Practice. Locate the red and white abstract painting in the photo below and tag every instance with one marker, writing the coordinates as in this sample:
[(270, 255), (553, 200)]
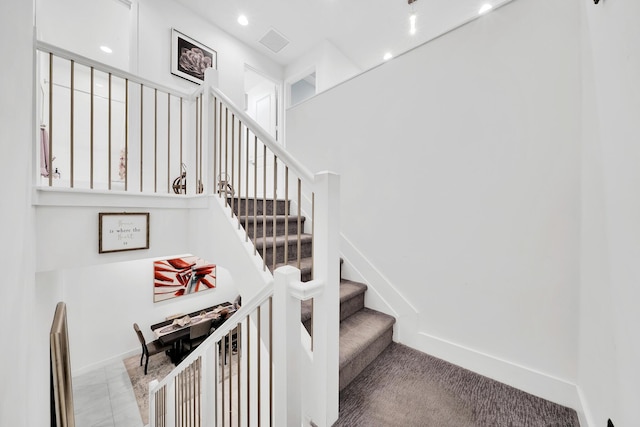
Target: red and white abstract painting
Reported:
[(176, 277)]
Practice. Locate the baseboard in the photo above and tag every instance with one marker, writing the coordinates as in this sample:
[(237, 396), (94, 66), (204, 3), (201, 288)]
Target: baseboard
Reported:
[(105, 362), (381, 294), (585, 415), (546, 386)]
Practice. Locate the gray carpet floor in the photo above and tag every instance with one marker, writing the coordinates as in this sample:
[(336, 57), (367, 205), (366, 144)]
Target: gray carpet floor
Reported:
[(404, 387)]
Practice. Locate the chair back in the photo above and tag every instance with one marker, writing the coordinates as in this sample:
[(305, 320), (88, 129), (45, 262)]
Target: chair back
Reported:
[(200, 329), (140, 336)]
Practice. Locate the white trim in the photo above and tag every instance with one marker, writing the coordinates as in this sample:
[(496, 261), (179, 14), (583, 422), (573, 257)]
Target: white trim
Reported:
[(381, 295), (58, 196), (529, 380), (585, 416)]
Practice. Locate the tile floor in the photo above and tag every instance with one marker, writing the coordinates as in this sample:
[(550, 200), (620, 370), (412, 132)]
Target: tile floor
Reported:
[(104, 398)]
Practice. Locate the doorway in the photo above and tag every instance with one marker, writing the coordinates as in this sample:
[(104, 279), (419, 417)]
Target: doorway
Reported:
[(262, 101), (303, 89)]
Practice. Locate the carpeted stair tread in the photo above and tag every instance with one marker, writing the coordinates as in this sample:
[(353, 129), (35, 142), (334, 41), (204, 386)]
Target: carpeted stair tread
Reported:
[(351, 297), (305, 265), (261, 206), (359, 331), (281, 240), (269, 218), (283, 225), (272, 249), (348, 291)]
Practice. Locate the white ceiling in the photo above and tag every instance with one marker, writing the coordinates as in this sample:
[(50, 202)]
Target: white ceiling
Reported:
[(362, 29)]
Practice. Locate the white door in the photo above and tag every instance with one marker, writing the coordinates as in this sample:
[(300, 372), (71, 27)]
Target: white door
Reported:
[(261, 97)]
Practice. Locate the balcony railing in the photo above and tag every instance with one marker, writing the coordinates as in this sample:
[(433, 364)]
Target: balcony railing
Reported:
[(105, 129)]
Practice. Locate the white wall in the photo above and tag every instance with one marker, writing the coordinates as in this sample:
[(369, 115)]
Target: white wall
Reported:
[(72, 25), (459, 166), (20, 377), (104, 301), (331, 67), (106, 293), (68, 235), (144, 33), (157, 17), (609, 376)]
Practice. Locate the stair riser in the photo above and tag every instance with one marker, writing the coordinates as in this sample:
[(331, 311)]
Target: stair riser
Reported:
[(305, 251), (357, 365), (347, 307), (260, 206), (280, 227), (351, 306)]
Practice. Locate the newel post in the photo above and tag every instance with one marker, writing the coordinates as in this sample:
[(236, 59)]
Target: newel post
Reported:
[(152, 403), (326, 309), (286, 349)]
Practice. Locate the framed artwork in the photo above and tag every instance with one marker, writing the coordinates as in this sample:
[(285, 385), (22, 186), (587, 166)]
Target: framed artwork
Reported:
[(189, 58), (175, 277), (123, 231)]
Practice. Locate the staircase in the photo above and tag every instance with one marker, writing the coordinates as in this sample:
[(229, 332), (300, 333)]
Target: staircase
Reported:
[(364, 333)]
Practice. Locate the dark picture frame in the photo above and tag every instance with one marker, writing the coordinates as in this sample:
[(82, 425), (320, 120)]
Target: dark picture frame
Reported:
[(190, 58), (123, 231)]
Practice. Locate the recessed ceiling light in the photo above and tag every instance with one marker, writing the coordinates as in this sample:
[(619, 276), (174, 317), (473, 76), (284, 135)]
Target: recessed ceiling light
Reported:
[(412, 23), (485, 8), (387, 56), (106, 49), (242, 20)]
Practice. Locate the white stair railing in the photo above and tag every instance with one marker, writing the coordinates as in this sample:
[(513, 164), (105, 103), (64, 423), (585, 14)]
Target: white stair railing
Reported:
[(270, 376), (274, 351), (229, 154), (104, 129)]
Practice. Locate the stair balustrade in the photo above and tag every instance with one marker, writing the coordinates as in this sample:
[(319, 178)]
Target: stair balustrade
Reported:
[(103, 129), (249, 168)]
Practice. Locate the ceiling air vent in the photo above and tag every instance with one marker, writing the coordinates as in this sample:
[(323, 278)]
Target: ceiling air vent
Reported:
[(274, 41)]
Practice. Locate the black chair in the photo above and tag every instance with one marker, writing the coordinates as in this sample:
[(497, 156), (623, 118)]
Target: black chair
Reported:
[(149, 349), (198, 333)]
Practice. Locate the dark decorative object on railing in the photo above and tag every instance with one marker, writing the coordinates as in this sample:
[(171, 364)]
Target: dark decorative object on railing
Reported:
[(180, 183), (224, 185)]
